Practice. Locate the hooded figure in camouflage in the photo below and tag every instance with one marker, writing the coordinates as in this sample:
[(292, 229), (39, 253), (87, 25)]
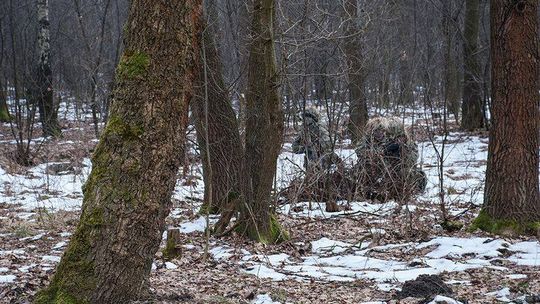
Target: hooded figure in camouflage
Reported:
[(313, 140), (387, 162), (322, 165)]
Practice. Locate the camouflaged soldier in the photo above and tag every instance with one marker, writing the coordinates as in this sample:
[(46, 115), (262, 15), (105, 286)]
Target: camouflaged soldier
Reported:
[(314, 141), (323, 167), (387, 161)]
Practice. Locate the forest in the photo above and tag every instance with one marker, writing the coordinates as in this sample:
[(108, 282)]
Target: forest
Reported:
[(269, 151)]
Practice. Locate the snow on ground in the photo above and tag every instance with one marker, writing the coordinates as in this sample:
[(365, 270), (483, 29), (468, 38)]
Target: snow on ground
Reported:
[(38, 188), (328, 259), (330, 263)]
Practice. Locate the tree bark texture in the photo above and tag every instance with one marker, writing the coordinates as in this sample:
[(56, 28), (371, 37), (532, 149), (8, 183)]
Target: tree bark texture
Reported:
[(127, 195), (47, 112), (452, 89), (358, 110), (471, 108), (511, 191), (216, 124), (4, 110), (264, 128)]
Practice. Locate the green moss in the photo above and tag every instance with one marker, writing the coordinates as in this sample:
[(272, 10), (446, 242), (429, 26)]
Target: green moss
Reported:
[(171, 251), (452, 226), (75, 279), (275, 233), (132, 65), (127, 131), (53, 296), (504, 226), (4, 115)]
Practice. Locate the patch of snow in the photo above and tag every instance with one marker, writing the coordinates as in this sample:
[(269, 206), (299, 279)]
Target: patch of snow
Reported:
[(517, 276), (221, 252), (328, 245), (501, 295), (264, 299), (443, 299), (528, 253), (7, 278), (59, 245), (458, 247), (387, 287), (264, 272), (471, 252), (197, 225), (458, 282), (317, 209), (14, 252), (51, 258), (25, 269), (170, 265)]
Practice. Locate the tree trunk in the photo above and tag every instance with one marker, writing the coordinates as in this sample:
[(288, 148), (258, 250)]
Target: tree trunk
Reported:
[(4, 110), (216, 124), (127, 195), (47, 113), (451, 76), (511, 199), (358, 111), (471, 108), (264, 129)]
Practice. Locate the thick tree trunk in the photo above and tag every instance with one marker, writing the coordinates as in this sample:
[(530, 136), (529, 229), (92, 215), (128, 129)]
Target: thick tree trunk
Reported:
[(127, 195), (47, 112), (471, 108), (511, 199), (264, 128), (358, 111), (216, 124)]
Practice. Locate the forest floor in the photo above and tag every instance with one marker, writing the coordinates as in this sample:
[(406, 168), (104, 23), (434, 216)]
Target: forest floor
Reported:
[(363, 254)]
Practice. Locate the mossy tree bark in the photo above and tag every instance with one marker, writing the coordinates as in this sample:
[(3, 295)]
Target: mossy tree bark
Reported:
[(264, 128), (511, 199), (216, 124), (471, 108), (358, 110), (127, 195), (44, 94)]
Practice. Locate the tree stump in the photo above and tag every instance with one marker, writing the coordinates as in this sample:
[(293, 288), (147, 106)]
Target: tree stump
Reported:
[(173, 247)]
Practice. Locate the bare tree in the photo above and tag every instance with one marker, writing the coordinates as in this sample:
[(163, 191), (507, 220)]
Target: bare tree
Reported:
[(216, 124), (511, 199), (127, 195), (471, 108), (264, 128), (358, 111), (44, 94)]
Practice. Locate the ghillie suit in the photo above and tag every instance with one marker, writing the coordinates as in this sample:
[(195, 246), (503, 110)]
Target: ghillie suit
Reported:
[(314, 141), (387, 162), (324, 171)]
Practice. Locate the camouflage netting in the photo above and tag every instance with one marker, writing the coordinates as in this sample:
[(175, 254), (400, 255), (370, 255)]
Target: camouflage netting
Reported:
[(387, 162)]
